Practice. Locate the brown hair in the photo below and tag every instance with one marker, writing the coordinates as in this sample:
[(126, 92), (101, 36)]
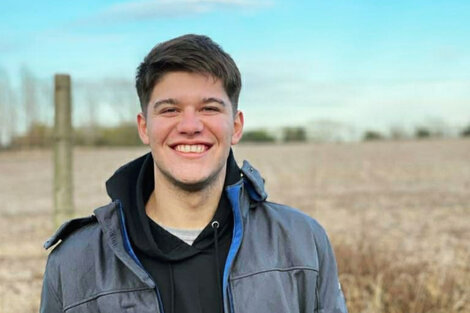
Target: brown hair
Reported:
[(188, 53)]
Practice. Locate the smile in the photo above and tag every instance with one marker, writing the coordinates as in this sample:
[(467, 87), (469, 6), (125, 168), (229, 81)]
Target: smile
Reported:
[(191, 148)]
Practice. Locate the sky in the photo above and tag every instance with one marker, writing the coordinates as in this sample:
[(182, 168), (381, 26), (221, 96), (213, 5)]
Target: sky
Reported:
[(365, 64)]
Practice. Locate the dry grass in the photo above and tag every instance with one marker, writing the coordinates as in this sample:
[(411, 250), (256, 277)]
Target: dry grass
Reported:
[(385, 281), (398, 215)]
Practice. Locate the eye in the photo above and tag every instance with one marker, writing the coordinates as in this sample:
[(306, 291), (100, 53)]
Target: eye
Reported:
[(168, 110), (211, 108)]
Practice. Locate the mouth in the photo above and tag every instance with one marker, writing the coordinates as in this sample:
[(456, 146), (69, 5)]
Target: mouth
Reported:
[(196, 148)]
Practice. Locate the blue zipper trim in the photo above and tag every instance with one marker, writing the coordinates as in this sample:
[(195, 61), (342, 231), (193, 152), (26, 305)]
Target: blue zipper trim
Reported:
[(233, 194), (130, 251), (230, 296), (127, 242)]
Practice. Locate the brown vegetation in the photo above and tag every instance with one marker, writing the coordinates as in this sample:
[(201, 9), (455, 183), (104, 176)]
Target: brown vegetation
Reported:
[(384, 281), (397, 214)]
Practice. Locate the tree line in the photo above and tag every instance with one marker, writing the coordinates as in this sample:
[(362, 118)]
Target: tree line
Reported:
[(125, 134), (27, 111)]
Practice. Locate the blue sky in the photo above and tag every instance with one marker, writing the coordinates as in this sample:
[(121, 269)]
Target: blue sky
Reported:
[(367, 64)]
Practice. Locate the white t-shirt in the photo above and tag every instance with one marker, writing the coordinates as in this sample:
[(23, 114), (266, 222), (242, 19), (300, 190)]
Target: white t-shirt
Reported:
[(187, 235)]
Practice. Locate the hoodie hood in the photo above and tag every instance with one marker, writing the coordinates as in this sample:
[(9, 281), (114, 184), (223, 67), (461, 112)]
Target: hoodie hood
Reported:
[(132, 185)]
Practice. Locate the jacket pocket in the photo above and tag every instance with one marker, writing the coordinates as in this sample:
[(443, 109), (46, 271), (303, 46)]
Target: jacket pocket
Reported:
[(135, 301), (286, 290)]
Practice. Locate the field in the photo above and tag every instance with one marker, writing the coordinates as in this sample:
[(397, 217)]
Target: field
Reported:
[(397, 213)]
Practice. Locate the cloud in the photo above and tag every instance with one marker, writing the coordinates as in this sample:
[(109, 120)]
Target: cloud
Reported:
[(154, 9), (10, 46), (288, 92), (6, 47)]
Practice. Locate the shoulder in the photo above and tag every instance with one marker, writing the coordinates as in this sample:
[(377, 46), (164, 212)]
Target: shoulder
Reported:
[(81, 229), (290, 218), (75, 241), (273, 229), (77, 247), (274, 214), (79, 238), (292, 227), (69, 244), (74, 244), (74, 228)]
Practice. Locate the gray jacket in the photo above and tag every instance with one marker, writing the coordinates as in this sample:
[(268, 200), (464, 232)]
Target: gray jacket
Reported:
[(280, 260)]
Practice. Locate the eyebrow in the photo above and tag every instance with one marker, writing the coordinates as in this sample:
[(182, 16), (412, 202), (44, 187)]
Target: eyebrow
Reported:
[(213, 99), (164, 101), (175, 102)]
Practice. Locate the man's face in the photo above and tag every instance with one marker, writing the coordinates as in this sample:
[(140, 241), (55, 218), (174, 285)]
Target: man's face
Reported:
[(190, 127)]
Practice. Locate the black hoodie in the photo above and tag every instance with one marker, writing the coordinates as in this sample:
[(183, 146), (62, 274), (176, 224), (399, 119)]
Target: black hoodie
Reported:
[(189, 278)]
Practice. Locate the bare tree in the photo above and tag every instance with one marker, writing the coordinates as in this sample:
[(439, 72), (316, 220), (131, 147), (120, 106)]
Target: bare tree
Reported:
[(7, 109), (45, 101), (435, 127), (398, 132), (29, 98), (2, 108), (325, 130), (439, 127), (92, 102), (122, 98)]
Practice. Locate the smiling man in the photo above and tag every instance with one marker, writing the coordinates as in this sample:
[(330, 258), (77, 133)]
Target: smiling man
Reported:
[(187, 229)]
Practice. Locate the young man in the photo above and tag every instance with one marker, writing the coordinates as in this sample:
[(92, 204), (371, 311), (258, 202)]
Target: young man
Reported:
[(188, 230)]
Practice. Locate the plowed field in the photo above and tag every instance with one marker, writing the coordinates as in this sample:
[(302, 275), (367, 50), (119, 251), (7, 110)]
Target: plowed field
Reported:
[(397, 213)]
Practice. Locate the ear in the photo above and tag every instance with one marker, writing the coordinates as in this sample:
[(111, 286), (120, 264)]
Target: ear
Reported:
[(237, 127), (142, 127)]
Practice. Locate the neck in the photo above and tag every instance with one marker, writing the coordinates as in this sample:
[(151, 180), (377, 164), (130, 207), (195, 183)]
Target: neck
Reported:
[(171, 206)]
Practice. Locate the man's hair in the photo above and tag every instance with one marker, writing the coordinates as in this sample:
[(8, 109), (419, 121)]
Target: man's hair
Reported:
[(188, 53)]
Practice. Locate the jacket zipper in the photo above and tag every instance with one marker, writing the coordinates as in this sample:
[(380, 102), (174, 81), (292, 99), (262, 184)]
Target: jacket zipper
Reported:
[(317, 298), (234, 196), (230, 298), (132, 254)]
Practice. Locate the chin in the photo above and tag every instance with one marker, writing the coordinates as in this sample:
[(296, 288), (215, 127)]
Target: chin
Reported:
[(197, 180), (192, 184)]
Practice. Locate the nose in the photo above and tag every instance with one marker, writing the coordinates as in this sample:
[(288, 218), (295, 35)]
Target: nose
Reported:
[(190, 123)]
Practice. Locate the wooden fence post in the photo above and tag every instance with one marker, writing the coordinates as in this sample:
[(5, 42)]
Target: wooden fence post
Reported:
[(63, 189)]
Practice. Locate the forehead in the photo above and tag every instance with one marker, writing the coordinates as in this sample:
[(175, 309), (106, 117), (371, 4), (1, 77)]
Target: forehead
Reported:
[(187, 85)]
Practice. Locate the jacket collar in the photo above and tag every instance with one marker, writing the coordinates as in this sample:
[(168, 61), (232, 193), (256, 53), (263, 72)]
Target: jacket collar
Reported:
[(109, 219), (109, 216), (254, 183)]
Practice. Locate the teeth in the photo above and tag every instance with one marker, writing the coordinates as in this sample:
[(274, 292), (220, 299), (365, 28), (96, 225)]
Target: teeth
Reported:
[(190, 148)]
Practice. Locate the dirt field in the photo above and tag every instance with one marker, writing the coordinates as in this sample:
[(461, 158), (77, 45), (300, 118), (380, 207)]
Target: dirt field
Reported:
[(398, 215)]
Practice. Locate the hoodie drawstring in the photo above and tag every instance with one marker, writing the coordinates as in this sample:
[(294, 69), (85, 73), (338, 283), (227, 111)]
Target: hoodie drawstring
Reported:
[(172, 289), (215, 225)]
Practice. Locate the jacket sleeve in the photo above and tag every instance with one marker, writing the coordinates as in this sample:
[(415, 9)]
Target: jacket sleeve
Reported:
[(51, 301), (329, 294)]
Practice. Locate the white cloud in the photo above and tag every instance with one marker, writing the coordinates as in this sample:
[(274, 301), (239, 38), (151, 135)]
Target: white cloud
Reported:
[(151, 9), (285, 92)]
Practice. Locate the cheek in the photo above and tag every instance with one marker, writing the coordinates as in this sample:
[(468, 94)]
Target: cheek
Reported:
[(159, 130), (221, 125), (223, 130)]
